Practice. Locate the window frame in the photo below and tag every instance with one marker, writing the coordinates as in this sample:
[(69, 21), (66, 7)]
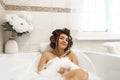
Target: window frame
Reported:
[(99, 35)]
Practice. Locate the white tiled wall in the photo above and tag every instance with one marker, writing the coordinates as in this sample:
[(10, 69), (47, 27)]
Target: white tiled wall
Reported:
[(45, 22), (1, 32), (91, 45)]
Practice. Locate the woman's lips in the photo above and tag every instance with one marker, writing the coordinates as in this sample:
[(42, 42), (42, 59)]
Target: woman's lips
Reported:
[(63, 44)]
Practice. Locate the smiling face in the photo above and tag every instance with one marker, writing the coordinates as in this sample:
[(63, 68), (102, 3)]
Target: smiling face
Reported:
[(62, 41)]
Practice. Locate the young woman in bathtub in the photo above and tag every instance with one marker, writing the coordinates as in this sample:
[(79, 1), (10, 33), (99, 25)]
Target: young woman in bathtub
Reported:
[(61, 63)]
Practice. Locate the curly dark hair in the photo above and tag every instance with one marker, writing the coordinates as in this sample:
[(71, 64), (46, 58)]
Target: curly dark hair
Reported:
[(55, 36)]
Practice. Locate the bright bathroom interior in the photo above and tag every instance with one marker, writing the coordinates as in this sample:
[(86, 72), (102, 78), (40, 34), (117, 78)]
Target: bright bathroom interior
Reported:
[(94, 26)]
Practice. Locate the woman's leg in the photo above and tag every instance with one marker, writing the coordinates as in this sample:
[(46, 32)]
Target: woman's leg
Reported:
[(78, 74)]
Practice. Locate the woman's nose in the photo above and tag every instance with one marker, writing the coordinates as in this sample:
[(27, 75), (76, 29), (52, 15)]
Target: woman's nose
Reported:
[(64, 40)]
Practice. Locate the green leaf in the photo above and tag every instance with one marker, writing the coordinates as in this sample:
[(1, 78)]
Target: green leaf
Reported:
[(7, 27)]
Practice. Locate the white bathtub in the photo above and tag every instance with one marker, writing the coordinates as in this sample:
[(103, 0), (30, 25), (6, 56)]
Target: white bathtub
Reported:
[(14, 65), (107, 65)]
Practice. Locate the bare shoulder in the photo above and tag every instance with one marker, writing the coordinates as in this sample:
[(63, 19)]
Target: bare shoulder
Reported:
[(48, 54), (73, 57), (72, 54)]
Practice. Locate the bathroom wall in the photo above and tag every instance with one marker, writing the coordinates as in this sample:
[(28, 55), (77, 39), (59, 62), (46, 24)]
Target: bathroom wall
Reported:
[(44, 22), (2, 11)]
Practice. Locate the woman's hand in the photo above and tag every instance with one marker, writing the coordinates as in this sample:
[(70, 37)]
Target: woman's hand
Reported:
[(63, 70)]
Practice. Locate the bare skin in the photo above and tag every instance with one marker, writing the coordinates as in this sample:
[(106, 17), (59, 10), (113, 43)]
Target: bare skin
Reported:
[(78, 74)]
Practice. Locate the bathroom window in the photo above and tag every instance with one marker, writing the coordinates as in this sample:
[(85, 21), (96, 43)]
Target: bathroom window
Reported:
[(100, 19)]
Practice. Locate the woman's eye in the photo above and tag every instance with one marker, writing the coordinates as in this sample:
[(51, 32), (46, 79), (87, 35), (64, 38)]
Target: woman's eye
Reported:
[(61, 38), (67, 40)]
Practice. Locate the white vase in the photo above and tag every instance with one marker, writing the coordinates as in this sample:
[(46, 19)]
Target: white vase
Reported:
[(11, 46)]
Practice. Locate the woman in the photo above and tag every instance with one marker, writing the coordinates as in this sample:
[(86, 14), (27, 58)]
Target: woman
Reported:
[(58, 64), (61, 42)]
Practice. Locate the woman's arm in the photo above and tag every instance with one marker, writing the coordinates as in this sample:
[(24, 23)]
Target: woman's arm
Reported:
[(42, 62)]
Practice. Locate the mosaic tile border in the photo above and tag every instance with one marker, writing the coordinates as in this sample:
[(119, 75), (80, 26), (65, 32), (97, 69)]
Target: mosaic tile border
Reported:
[(34, 8)]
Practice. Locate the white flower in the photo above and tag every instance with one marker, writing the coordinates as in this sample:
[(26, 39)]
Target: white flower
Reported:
[(30, 27), (27, 16), (17, 24), (11, 17), (20, 25)]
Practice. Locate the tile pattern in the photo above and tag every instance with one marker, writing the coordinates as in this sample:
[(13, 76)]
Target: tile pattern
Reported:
[(34, 8)]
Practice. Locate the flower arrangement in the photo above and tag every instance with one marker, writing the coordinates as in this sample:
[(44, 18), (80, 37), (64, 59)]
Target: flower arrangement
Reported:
[(18, 25)]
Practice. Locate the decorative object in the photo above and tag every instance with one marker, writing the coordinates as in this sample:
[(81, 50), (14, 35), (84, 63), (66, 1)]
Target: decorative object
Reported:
[(18, 26), (11, 46)]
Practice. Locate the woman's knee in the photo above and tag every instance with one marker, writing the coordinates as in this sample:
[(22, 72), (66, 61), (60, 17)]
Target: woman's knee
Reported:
[(86, 76), (82, 74), (78, 74)]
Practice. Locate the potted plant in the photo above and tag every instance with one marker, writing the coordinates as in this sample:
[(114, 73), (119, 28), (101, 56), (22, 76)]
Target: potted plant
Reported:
[(18, 26)]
